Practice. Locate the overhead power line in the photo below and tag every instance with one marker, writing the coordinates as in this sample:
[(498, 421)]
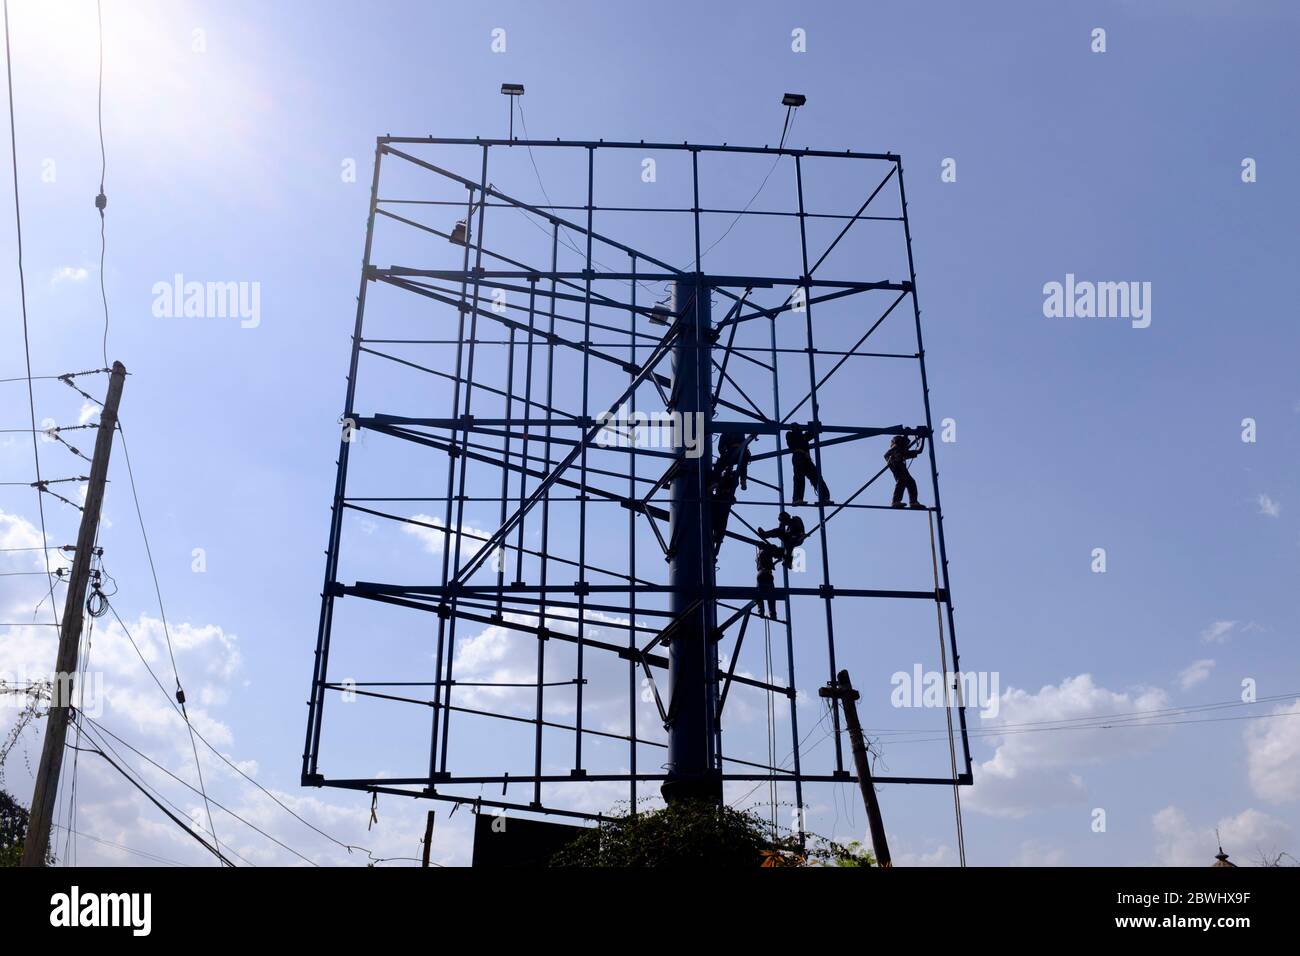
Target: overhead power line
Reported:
[(22, 293), (152, 857), (226, 760), (171, 653), (157, 766), (101, 201), (158, 803)]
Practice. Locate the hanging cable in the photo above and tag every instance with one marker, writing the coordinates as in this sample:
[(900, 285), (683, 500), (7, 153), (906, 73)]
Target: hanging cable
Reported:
[(156, 802), (224, 759), (101, 201), (789, 124), (562, 236), (22, 293), (144, 854), (101, 729), (171, 653)]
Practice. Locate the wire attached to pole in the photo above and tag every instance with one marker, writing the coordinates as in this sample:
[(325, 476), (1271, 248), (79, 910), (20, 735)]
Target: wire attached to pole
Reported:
[(22, 290), (101, 200)]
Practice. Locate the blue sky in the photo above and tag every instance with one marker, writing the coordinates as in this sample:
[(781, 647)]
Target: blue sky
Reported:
[(224, 164)]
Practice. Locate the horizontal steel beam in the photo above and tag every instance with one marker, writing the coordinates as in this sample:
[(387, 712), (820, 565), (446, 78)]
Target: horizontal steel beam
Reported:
[(452, 780), (756, 282), (616, 144), (748, 593)]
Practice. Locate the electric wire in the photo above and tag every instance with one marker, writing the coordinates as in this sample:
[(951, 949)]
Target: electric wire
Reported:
[(789, 124), (563, 237), (102, 741), (153, 763), (152, 857), (158, 803), (22, 292), (171, 653), (226, 760), (101, 201)]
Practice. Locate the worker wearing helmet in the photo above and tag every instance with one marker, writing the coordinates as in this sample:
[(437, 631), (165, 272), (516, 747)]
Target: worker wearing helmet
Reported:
[(899, 454)]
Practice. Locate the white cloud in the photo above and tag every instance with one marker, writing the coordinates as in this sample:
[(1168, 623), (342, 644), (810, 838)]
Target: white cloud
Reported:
[(1180, 843), (940, 855), (1273, 754), (1268, 506), (1037, 769), (1218, 632), (1038, 853), (17, 532), (125, 700), (69, 274), (504, 655), (1197, 672), (434, 538)]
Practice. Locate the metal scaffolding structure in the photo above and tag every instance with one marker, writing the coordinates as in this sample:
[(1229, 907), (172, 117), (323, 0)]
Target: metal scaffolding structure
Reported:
[(559, 521)]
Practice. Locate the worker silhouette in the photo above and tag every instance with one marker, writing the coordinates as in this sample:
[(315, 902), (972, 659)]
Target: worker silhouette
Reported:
[(790, 532), (733, 453), (799, 442), (765, 558), (899, 454), (723, 495)]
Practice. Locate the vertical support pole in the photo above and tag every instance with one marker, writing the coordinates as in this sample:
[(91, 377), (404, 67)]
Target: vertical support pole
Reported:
[(453, 533), (934, 476), (579, 677), (316, 705), (428, 840), (789, 612), (692, 655), (632, 696), (544, 557), (505, 468), (848, 697), (45, 797), (817, 452)]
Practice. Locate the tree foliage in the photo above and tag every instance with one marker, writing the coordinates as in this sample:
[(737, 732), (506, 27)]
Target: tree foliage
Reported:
[(13, 830), (699, 833)]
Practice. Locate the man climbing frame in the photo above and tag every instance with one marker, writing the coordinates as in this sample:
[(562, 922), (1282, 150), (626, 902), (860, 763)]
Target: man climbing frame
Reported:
[(899, 454), (723, 492), (733, 453), (790, 532), (765, 558)]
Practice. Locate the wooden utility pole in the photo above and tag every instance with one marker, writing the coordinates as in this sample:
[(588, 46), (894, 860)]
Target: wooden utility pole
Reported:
[(843, 691), (45, 797)]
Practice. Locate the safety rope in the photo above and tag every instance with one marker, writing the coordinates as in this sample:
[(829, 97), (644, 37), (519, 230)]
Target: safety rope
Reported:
[(947, 705)]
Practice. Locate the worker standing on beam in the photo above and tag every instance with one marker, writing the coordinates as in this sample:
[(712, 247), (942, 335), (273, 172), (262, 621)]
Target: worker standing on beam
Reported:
[(799, 442), (899, 454)]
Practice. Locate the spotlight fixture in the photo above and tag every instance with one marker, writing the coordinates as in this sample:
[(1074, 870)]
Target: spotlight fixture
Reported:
[(512, 90)]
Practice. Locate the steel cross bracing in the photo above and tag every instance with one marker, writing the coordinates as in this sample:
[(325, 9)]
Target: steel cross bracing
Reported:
[(545, 436)]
